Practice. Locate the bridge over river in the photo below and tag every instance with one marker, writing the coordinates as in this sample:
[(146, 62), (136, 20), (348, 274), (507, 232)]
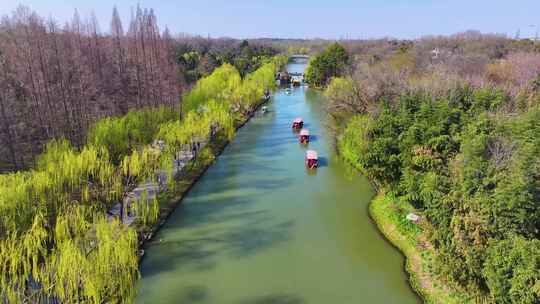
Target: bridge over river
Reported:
[(259, 228), (299, 57)]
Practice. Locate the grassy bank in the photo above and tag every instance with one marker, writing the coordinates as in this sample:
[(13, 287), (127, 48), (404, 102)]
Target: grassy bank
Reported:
[(411, 239)]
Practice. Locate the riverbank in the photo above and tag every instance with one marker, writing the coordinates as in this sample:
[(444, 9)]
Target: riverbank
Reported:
[(169, 201), (257, 213), (411, 239)]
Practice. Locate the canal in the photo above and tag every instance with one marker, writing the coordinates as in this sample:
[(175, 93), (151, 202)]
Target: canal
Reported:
[(259, 228)]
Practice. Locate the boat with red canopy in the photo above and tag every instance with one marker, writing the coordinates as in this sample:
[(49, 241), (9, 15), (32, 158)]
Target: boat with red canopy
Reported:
[(312, 160), (304, 136), (298, 123)]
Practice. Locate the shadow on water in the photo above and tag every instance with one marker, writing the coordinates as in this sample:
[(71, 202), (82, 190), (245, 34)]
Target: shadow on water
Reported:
[(275, 299), (194, 294), (200, 251), (270, 141), (323, 162), (223, 187), (218, 223)]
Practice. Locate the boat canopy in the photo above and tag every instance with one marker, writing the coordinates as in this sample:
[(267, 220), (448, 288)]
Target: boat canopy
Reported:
[(298, 120), (304, 132), (311, 154)]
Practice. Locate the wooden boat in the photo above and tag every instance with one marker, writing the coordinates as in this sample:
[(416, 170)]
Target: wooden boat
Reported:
[(298, 123), (312, 160), (304, 136)]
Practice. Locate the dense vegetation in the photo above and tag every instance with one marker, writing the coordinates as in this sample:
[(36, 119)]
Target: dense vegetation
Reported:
[(462, 149), (198, 57), (57, 242), (330, 63)]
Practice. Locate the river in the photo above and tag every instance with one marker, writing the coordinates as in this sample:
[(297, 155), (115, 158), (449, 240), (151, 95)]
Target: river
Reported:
[(258, 228)]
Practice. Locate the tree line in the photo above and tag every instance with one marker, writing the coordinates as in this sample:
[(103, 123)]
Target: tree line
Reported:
[(458, 145), (198, 57), (326, 65)]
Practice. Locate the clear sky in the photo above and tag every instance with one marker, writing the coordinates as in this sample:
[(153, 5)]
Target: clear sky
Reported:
[(311, 18)]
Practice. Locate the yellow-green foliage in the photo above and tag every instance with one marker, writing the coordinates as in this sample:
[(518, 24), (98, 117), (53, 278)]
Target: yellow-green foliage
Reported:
[(343, 100), (105, 259), (146, 209), (219, 86), (225, 86), (256, 84), (279, 62), (20, 255), (63, 176), (355, 139), (339, 88), (140, 164), (196, 125), (55, 240), (121, 134)]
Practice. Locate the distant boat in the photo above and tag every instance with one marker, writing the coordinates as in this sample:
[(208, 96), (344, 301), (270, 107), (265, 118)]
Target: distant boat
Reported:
[(304, 136), (312, 160), (298, 123)]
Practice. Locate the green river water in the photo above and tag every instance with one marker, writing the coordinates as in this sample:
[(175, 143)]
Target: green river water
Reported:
[(258, 228)]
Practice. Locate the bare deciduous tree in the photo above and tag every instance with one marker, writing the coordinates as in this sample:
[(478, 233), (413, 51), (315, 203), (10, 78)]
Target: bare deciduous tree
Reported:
[(55, 81)]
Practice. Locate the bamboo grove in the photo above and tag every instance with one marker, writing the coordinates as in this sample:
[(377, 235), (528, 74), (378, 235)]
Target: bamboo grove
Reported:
[(464, 155), (57, 242)]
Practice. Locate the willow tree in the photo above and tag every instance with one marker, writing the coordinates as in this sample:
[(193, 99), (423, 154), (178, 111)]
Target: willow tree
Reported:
[(16, 208), (120, 135), (252, 89), (137, 168), (146, 209), (21, 255), (105, 253), (63, 176), (218, 86)]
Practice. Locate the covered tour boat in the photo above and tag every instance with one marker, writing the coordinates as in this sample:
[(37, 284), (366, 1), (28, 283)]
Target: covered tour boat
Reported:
[(298, 123), (312, 160), (304, 136)]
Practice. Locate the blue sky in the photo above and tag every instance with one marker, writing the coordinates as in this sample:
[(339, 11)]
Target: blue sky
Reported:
[(309, 19)]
